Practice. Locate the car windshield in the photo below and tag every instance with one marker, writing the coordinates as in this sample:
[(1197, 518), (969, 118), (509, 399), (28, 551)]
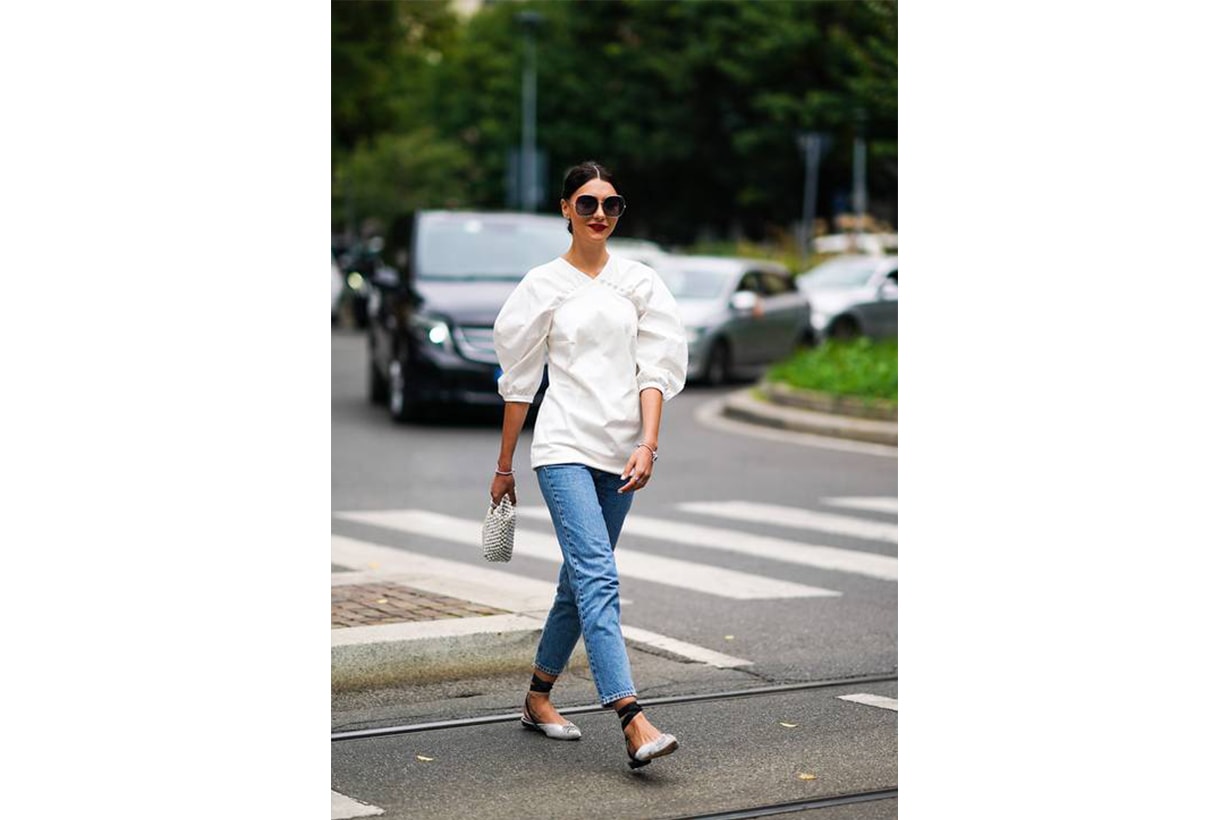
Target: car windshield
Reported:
[(837, 274), (694, 283), (458, 248)]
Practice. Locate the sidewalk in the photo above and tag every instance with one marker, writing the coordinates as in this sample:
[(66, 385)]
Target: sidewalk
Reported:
[(400, 617)]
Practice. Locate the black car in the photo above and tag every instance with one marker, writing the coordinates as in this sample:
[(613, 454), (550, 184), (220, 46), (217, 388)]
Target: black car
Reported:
[(430, 330)]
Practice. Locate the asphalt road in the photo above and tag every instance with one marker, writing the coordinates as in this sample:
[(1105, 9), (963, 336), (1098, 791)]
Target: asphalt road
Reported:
[(734, 753)]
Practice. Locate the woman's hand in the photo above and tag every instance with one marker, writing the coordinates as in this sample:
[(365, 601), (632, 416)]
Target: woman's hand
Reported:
[(504, 485), (638, 470)]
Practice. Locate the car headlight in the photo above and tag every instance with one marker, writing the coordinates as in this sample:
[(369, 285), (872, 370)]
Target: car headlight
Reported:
[(433, 330)]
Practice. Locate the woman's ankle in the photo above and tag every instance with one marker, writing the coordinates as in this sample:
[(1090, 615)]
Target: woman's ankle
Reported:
[(542, 683)]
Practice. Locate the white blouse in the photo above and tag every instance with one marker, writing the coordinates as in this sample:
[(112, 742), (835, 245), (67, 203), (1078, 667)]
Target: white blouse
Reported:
[(604, 340)]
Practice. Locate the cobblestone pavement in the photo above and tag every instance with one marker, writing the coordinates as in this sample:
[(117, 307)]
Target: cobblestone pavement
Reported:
[(369, 604)]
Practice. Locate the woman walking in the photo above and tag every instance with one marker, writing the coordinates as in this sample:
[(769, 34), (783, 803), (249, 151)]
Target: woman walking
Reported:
[(610, 335)]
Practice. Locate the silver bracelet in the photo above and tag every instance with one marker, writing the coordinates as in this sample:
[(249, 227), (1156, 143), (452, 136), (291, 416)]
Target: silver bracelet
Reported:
[(498, 471), (650, 449)]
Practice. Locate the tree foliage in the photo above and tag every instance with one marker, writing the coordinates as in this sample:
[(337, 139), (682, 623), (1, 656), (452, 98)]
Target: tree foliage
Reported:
[(697, 106)]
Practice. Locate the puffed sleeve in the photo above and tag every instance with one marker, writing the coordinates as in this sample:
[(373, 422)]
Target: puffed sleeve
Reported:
[(520, 336), (661, 343)]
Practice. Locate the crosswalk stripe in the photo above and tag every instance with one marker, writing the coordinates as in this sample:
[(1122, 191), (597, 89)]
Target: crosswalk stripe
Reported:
[(677, 647), (343, 808), (440, 576), (503, 590), (871, 700), (724, 583), (884, 504), (795, 517), (883, 567)]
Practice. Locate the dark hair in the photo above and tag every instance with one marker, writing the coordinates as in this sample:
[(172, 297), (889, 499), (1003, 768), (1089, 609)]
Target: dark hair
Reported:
[(578, 175)]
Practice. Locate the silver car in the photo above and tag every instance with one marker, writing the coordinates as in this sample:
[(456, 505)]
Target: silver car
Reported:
[(741, 315), (852, 296)]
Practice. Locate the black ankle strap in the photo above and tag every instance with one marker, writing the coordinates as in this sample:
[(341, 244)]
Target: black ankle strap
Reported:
[(627, 712), (537, 684)]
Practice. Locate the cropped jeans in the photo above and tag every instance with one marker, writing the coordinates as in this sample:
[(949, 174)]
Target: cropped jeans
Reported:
[(588, 514)]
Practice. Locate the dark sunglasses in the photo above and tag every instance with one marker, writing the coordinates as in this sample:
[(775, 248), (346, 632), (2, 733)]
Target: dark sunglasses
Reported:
[(612, 206)]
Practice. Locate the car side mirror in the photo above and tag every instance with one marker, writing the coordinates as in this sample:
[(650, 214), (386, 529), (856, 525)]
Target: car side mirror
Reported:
[(744, 300)]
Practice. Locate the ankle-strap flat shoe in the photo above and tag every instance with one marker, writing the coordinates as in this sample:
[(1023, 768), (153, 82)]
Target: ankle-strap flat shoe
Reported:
[(660, 746), (555, 731)]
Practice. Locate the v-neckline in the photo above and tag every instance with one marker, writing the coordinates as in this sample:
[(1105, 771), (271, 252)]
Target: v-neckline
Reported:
[(609, 259)]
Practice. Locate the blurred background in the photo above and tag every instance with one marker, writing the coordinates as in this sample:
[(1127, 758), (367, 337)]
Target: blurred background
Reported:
[(733, 127), (755, 142)]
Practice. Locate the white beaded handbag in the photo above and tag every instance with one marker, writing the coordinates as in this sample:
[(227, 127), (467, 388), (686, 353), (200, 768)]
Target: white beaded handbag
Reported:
[(498, 529)]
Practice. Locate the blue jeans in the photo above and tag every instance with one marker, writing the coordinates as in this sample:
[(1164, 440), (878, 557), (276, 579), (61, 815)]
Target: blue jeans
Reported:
[(587, 513)]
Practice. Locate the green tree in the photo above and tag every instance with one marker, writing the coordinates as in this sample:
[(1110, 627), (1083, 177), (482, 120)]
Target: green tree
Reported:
[(398, 173), (385, 154), (697, 105)]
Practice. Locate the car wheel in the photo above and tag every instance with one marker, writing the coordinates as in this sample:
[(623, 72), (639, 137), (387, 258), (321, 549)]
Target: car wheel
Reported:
[(401, 408), (845, 328), (717, 368)]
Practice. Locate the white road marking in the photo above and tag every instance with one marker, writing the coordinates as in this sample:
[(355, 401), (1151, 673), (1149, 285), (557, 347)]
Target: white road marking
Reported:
[(878, 701), (482, 585), (795, 517), (710, 415), (687, 650), (885, 504), (503, 590), (343, 807), (711, 580), (883, 567)]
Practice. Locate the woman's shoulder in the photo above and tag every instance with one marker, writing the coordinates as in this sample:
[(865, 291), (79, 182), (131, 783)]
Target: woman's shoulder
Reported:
[(547, 277), (542, 288)]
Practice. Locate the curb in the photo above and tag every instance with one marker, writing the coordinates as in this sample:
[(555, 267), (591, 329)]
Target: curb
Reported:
[(785, 395), (429, 651), (744, 406)]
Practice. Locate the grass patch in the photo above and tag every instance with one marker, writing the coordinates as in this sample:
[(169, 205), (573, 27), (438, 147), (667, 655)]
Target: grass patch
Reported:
[(861, 368)]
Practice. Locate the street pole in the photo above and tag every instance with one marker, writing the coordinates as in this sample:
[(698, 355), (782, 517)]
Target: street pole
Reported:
[(860, 172), (530, 20), (809, 143)]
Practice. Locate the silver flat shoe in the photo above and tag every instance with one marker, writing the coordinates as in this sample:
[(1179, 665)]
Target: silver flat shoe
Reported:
[(555, 731), (660, 746)]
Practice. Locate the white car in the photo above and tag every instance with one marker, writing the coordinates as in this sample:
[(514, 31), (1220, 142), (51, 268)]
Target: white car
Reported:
[(852, 296), (741, 315)]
